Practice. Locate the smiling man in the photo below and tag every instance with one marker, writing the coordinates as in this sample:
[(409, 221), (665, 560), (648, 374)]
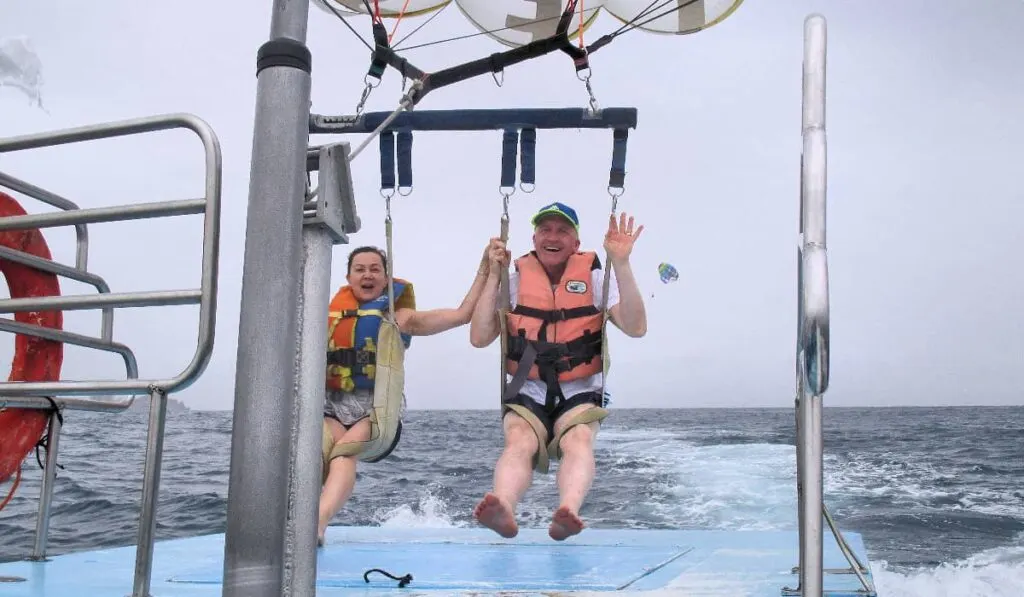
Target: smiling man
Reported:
[(553, 402)]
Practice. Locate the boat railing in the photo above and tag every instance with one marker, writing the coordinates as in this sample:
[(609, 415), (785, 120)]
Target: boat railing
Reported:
[(812, 350), (102, 394)]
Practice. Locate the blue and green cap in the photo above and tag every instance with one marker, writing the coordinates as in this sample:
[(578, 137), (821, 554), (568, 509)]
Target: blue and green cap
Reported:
[(558, 209)]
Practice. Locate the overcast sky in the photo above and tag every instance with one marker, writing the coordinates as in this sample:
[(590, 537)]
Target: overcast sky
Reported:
[(925, 197)]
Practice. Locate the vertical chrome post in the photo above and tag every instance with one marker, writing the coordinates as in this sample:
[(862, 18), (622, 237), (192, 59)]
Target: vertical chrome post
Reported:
[(46, 491), (813, 331), (265, 375), (150, 491), (305, 474), (332, 217)]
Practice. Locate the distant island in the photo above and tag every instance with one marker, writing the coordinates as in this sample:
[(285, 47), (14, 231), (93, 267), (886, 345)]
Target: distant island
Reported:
[(174, 406)]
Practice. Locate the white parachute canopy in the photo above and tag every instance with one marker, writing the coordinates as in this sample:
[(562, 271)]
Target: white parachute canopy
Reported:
[(20, 68), (519, 22), (674, 17)]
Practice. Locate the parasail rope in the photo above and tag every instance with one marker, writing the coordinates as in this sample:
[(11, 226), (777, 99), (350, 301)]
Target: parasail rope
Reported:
[(478, 34), (421, 26), (651, 8), (349, 25), (398, 20), (640, 20), (402, 106)]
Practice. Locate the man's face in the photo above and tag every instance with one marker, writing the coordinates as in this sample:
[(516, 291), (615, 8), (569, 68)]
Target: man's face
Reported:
[(555, 240), (366, 277)]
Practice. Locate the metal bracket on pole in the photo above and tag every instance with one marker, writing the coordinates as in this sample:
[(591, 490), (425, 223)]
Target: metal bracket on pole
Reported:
[(334, 207)]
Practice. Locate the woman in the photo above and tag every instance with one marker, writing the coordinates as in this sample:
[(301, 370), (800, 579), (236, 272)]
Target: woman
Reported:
[(349, 396)]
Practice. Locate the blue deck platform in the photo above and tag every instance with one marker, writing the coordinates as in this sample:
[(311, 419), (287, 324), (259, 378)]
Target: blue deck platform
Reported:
[(470, 561)]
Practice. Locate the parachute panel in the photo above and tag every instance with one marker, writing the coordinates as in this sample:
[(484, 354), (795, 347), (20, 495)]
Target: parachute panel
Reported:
[(327, 5), (674, 16), (519, 22), (389, 9)]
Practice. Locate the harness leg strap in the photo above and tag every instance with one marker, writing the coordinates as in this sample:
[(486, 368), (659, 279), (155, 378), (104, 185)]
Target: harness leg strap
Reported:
[(356, 447), (325, 451), (589, 415), (540, 461)]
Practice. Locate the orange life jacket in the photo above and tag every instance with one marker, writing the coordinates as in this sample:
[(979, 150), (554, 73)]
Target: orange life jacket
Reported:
[(555, 332), (352, 337)]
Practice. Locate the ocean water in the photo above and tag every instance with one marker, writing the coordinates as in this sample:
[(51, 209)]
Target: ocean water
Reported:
[(938, 493)]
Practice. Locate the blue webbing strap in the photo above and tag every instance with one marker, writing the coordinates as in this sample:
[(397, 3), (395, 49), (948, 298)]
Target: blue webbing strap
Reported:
[(404, 159), (617, 176), (509, 143), (528, 156), (387, 160)]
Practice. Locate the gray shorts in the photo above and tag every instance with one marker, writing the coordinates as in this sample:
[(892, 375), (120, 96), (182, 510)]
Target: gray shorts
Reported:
[(348, 408)]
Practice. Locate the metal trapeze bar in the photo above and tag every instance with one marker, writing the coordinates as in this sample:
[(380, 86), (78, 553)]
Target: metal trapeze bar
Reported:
[(478, 120)]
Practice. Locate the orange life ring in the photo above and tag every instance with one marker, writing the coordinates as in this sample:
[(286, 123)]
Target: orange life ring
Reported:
[(35, 359)]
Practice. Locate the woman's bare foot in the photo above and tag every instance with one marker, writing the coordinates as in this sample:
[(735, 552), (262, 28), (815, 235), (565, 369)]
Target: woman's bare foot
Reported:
[(564, 524), (495, 514)]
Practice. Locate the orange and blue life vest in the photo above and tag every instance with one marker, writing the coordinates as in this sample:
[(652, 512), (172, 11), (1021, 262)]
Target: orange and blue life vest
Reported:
[(352, 335)]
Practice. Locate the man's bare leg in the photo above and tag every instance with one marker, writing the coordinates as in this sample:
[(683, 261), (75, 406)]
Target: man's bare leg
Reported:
[(513, 474), (575, 475), (341, 476)]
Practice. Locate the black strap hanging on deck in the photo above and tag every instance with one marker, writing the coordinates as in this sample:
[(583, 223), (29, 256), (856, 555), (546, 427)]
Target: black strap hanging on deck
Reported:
[(402, 580)]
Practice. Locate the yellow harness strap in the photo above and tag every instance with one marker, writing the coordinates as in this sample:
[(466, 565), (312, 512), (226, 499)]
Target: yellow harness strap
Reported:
[(590, 415), (540, 459)]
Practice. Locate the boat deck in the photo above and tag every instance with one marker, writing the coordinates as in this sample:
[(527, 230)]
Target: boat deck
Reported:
[(470, 561)]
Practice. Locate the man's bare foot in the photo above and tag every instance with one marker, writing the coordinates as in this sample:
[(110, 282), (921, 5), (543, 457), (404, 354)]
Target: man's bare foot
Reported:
[(495, 514), (564, 524)]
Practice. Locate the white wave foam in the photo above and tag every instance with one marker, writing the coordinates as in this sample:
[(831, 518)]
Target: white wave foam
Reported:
[(997, 572), (915, 483), (733, 487), (429, 512)]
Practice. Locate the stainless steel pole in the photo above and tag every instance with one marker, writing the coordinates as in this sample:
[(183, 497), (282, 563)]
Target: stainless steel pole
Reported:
[(304, 480), (265, 376), (814, 316), (150, 492), (46, 491)]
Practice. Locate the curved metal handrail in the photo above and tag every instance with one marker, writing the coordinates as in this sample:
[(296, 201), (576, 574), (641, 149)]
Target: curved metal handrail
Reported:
[(205, 296)]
